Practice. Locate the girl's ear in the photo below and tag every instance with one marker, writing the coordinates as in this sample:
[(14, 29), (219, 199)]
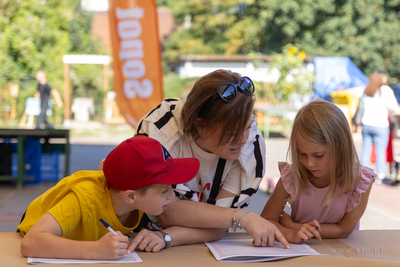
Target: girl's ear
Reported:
[(129, 196)]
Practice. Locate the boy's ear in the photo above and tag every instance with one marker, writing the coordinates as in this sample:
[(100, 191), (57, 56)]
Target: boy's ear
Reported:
[(101, 164), (129, 196)]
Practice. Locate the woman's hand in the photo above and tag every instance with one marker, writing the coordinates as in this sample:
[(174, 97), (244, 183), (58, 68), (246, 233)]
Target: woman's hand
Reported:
[(263, 231), (146, 240)]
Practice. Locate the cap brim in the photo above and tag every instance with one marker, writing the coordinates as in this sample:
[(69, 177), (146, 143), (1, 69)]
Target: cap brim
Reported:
[(185, 170)]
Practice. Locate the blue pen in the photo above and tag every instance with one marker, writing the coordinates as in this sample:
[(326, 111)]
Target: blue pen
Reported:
[(106, 225)]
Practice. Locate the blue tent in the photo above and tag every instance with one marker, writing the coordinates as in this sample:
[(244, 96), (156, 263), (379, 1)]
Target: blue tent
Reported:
[(333, 73)]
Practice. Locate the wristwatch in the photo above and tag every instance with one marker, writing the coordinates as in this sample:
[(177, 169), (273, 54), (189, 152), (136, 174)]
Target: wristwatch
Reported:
[(167, 238)]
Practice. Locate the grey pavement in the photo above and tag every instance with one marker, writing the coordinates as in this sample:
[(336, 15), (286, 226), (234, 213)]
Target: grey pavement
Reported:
[(383, 211)]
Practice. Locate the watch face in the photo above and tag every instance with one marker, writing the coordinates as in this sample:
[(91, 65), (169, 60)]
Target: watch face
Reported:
[(167, 238)]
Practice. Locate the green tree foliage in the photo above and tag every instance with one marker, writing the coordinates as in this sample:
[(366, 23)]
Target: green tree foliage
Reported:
[(35, 34), (175, 86), (162, 2), (364, 30), (293, 78)]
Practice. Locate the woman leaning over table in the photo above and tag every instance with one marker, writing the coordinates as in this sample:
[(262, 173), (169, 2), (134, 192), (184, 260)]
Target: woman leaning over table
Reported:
[(215, 124)]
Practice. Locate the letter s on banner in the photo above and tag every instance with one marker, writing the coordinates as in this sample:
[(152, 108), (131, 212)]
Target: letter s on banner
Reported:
[(136, 57)]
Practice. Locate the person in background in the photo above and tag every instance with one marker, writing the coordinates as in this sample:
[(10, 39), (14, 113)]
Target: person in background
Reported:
[(378, 100), (43, 92), (326, 186)]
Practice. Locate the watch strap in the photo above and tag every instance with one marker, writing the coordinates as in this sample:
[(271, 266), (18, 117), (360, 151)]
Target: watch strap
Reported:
[(167, 243)]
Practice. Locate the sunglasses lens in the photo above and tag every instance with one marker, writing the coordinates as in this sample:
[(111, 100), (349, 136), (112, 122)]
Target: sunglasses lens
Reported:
[(227, 92), (247, 86)]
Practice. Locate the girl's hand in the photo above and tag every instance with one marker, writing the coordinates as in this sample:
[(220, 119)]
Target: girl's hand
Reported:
[(146, 240), (286, 220), (306, 232), (111, 247)]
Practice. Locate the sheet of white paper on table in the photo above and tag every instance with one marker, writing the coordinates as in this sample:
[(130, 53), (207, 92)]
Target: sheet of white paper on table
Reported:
[(242, 250), (127, 258)]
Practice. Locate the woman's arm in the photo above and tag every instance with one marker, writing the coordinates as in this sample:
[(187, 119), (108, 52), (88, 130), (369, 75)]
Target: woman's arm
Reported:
[(202, 215), (44, 240)]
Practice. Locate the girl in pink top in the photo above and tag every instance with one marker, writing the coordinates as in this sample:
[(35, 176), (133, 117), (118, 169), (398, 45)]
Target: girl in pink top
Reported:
[(326, 185)]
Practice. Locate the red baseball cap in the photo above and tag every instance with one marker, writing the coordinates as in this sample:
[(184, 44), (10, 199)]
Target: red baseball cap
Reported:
[(141, 161)]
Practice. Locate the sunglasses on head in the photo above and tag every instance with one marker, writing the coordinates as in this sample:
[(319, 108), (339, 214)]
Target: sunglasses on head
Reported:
[(228, 91)]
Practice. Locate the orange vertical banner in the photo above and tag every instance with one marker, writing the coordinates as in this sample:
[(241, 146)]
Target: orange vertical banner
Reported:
[(136, 57)]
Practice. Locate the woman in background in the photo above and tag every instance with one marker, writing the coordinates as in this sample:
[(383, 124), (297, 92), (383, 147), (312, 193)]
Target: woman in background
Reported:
[(378, 100)]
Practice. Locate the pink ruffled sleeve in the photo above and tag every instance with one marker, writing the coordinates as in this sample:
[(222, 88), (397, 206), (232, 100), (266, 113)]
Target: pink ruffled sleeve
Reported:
[(361, 187), (286, 176)]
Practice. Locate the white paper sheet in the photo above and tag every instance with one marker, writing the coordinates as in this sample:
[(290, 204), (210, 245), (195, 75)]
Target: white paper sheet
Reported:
[(242, 250), (127, 258)]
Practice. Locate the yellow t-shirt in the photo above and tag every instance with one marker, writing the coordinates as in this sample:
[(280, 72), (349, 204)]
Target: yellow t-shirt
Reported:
[(77, 203)]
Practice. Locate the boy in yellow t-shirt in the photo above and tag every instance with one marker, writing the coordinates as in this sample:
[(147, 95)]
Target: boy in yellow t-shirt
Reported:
[(137, 175)]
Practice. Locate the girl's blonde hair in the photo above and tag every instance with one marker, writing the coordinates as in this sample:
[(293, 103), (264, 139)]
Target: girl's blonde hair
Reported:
[(375, 83), (213, 111), (323, 123)]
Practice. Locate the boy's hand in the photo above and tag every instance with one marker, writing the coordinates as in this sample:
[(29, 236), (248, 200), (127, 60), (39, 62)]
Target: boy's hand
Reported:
[(263, 231), (307, 231), (112, 247), (150, 241)]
